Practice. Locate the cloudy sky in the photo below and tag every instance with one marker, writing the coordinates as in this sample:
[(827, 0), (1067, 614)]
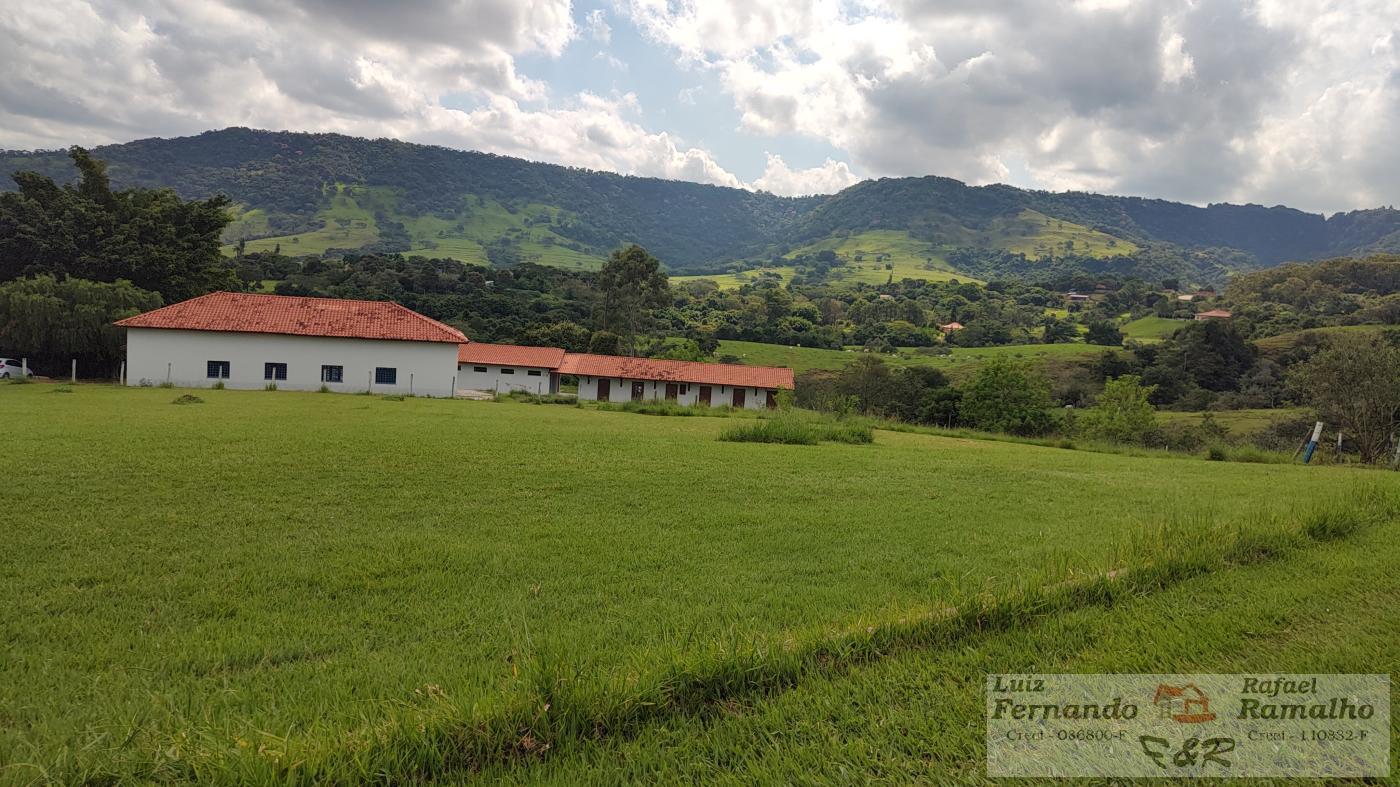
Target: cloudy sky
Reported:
[(1275, 101)]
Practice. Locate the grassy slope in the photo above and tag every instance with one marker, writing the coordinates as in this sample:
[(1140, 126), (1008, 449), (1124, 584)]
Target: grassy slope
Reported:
[(212, 594), (1030, 233), (961, 360), (1035, 235), (918, 716), (480, 222)]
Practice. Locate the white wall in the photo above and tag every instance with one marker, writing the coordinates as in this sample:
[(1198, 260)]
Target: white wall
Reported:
[(620, 390), (494, 379), (159, 354)]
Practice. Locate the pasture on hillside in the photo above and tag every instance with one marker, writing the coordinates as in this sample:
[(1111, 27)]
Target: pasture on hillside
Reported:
[(298, 587)]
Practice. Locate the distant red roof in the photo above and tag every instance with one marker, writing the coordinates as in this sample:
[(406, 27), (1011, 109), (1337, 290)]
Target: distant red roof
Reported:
[(677, 371), (242, 312), (510, 355), (950, 327), (1214, 314)]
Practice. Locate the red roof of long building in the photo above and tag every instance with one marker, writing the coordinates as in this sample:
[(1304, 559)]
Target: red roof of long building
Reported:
[(677, 371), (510, 355), (241, 312)]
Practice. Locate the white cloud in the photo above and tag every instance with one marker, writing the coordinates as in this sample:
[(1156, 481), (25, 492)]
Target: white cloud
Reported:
[(149, 67), (1197, 100), (597, 25), (779, 178)]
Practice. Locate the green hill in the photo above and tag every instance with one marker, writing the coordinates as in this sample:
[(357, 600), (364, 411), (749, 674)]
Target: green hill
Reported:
[(299, 190)]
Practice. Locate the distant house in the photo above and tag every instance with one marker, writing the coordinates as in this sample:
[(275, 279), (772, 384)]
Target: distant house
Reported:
[(1186, 297), (1214, 314), (950, 327), (247, 340), (611, 378), (1075, 297), (508, 367)]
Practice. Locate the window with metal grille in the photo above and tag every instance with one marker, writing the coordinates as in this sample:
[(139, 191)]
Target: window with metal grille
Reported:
[(332, 374), (274, 371), (218, 370), (385, 375)]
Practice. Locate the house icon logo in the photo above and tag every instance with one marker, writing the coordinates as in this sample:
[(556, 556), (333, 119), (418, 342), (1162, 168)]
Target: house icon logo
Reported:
[(1186, 703)]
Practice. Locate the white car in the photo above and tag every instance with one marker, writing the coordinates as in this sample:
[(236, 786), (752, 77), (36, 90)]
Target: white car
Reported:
[(9, 367)]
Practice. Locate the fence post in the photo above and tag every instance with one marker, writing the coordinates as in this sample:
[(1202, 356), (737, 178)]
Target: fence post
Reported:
[(410, 383), (1312, 443), (73, 377), (121, 374), (453, 394), (24, 367), (167, 372), (369, 380)]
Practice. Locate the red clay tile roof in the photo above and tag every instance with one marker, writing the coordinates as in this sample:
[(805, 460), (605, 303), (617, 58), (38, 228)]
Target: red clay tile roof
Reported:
[(242, 312), (677, 371), (510, 355), (1215, 313)]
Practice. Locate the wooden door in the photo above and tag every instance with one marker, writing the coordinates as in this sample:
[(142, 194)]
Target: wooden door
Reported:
[(672, 391), (740, 396), (705, 395), (603, 388), (639, 390), (772, 401)]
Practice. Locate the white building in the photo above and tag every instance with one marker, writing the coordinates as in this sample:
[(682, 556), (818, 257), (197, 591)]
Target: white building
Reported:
[(611, 378), (502, 368), (247, 340)]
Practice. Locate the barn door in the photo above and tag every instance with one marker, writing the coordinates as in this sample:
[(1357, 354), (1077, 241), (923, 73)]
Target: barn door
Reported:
[(705, 395), (603, 386), (672, 391), (739, 396), (772, 401), (639, 390)]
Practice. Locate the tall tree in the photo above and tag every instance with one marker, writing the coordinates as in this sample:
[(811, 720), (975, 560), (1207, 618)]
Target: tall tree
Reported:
[(1355, 384), (633, 286), (149, 237)]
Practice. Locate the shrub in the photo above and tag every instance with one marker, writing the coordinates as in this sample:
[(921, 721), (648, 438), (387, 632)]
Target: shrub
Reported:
[(218, 386), (62, 389), (187, 399), (270, 387), (393, 397), (168, 384), (1122, 413), (1216, 453), (323, 389), (792, 428)]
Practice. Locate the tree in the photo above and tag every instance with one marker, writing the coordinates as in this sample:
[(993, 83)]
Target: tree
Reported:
[(1007, 397), (53, 322), (149, 237), (1355, 383), (1122, 413), (633, 286), (605, 343), (1057, 330), (1105, 333)]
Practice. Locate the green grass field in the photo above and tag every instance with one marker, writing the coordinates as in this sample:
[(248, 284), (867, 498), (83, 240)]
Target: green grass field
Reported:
[(422, 589), (959, 361), (1241, 423), (1151, 329)]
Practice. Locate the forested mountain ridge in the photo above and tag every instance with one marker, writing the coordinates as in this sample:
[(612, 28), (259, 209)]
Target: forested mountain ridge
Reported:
[(386, 195)]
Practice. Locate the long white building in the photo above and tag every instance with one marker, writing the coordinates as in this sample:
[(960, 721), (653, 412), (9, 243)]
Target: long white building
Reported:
[(247, 340)]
